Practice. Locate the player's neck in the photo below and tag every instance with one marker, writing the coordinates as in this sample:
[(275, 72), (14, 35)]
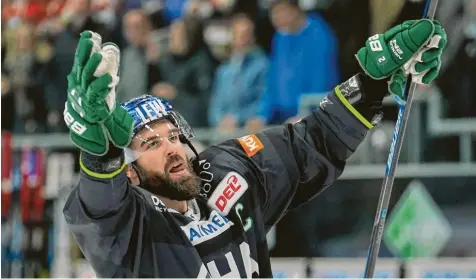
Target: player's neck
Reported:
[(180, 206)]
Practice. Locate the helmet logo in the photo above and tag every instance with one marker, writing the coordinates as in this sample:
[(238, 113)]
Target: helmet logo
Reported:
[(151, 111)]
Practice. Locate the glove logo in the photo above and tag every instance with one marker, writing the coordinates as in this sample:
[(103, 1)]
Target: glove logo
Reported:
[(73, 124), (396, 49), (375, 44)]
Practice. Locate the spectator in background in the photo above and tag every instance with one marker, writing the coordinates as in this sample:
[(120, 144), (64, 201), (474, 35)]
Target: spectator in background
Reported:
[(23, 80), (459, 71), (240, 81), (76, 17), (363, 19), (137, 70), (303, 61), (8, 103), (173, 9), (457, 81), (186, 70)]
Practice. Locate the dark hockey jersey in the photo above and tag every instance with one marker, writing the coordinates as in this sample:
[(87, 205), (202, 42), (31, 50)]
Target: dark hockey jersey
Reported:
[(247, 186)]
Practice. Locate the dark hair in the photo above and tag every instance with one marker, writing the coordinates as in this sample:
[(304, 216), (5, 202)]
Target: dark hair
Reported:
[(242, 16), (193, 32), (239, 16), (289, 2), (142, 14)]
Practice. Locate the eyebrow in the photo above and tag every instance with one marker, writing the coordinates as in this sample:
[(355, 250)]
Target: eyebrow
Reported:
[(173, 130)]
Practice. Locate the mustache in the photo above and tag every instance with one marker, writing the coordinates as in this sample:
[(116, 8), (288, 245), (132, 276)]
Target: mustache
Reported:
[(172, 160)]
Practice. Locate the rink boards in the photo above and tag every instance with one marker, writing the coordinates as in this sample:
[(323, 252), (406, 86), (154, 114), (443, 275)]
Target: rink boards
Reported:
[(386, 268), (354, 268)]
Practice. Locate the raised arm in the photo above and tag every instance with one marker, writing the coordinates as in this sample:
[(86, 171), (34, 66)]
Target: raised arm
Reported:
[(288, 165), (102, 209)]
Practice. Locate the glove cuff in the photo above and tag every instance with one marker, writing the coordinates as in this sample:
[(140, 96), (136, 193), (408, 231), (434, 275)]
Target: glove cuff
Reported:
[(107, 166), (352, 95)]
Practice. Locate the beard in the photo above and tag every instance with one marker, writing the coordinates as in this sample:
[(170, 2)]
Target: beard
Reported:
[(185, 188)]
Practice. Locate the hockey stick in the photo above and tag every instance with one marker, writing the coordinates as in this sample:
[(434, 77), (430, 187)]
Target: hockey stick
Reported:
[(392, 161)]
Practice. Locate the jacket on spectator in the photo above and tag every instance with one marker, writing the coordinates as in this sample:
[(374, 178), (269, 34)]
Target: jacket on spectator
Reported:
[(301, 63), (134, 75), (191, 75), (238, 86), (173, 9), (138, 75)]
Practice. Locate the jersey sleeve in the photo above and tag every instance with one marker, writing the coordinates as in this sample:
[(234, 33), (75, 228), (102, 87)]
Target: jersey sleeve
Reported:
[(288, 165), (101, 211)]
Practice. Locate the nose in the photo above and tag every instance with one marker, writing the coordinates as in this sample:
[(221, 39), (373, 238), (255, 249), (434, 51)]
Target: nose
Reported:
[(170, 148)]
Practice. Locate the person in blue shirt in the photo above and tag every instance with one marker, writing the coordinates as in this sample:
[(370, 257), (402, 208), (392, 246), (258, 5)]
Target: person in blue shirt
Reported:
[(173, 9), (303, 61), (239, 82)]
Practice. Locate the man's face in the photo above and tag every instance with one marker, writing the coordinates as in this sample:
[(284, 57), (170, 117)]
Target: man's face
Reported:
[(25, 38), (178, 43), (283, 16), (242, 29), (163, 166), (136, 28)]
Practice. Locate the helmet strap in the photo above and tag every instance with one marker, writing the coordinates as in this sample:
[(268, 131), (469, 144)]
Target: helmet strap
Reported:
[(195, 160), (138, 172)]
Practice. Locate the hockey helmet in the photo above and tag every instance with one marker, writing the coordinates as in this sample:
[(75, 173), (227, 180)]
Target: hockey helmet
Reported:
[(146, 110)]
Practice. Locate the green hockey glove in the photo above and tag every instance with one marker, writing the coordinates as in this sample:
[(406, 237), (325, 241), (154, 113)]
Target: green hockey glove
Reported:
[(396, 86), (91, 138), (384, 54), (424, 66), (91, 95)]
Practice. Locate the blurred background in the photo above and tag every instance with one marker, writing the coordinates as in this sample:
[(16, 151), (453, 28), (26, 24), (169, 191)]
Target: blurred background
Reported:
[(232, 67)]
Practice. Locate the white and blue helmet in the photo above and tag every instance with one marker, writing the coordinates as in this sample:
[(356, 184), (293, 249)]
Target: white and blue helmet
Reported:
[(147, 109)]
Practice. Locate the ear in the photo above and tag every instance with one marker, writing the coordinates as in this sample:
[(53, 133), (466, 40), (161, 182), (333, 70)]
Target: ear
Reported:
[(132, 175)]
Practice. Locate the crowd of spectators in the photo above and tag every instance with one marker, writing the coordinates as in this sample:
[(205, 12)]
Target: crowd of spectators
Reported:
[(223, 64)]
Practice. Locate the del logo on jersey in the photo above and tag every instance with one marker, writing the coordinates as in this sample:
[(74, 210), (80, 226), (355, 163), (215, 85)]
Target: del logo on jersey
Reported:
[(227, 193)]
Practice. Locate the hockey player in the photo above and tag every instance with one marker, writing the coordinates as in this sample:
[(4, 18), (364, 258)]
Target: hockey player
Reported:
[(143, 209)]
